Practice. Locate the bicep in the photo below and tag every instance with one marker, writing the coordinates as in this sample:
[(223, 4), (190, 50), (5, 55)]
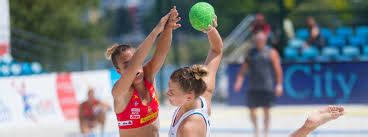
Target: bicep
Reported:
[(276, 63)]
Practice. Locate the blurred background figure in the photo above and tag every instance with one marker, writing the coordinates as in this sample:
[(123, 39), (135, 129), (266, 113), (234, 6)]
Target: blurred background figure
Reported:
[(261, 63), (289, 28), (92, 112), (315, 38), (260, 24)]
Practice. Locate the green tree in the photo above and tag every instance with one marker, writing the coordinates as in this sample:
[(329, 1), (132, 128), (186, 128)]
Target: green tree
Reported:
[(58, 29)]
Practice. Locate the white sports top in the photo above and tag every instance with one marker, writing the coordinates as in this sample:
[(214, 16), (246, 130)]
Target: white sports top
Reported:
[(200, 111)]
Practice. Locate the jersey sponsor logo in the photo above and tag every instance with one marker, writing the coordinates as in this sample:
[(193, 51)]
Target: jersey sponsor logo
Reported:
[(135, 97), (135, 116), (149, 117), (125, 123), (149, 110), (136, 103), (135, 109)]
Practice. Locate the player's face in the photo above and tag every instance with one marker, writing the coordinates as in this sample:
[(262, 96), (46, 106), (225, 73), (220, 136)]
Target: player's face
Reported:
[(260, 39), (123, 63), (176, 94)]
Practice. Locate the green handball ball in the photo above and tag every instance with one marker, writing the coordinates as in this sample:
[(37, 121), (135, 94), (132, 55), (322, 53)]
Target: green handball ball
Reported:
[(201, 15)]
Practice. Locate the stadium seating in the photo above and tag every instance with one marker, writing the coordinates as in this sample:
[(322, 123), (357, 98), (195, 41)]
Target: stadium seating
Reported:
[(336, 41), (309, 53), (357, 40), (362, 31), (350, 51), (302, 33), (291, 53), (344, 31), (20, 68), (295, 43), (343, 44), (326, 33), (330, 52)]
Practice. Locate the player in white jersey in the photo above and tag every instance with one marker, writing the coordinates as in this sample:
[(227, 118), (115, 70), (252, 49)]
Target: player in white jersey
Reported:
[(191, 89)]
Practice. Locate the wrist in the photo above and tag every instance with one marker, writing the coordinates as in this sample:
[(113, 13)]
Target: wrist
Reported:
[(211, 30), (155, 32)]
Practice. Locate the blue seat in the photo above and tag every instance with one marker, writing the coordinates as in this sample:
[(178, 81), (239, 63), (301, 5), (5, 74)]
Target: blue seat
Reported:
[(326, 33), (4, 70), (356, 40), (310, 53), (362, 31), (330, 52), (344, 31), (36, 67), (295, 43), (350, 51), (364, 55), (291, 53), (336, 41), (302, 33), (26, 68), (16, 69), (365, 50)]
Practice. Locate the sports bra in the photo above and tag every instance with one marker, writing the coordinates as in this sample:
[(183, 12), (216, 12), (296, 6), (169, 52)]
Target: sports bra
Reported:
[(136, 114)]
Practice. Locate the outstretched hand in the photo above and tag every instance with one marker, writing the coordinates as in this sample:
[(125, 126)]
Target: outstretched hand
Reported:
[(210, 27), (161, 25), (173, 19)]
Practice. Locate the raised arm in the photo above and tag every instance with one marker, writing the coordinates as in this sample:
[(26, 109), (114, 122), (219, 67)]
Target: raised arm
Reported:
[(212, 62), (163, 46), (214, 55), (124, 83)]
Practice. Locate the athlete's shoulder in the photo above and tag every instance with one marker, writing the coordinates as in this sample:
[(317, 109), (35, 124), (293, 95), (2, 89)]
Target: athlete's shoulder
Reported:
[(123, 94), (193, 125)]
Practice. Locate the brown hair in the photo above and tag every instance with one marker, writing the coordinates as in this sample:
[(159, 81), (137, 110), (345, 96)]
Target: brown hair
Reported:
[(114, 51), (191, 79)]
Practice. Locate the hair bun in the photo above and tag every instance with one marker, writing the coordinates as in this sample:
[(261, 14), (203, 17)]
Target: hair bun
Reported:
[(199, 71), (110, 51)]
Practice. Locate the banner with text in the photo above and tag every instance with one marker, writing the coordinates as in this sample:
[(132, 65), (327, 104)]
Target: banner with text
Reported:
[(315, 83)]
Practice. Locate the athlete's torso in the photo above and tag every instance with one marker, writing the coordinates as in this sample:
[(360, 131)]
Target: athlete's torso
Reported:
[(138, 119)]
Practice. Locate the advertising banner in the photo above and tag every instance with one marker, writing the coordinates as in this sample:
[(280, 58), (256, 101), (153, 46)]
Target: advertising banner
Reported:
[(315, 83)]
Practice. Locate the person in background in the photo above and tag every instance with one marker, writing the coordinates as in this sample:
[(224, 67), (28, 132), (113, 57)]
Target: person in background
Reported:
[(315, 38), (92, 112), (260, 24), (261, 63)]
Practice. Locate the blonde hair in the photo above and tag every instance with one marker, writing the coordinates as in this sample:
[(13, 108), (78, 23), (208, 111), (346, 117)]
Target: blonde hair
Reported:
[(110, 50), (114, 51), (191, 79)]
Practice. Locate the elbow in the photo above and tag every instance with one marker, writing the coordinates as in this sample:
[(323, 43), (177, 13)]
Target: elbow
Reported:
[(217, 51)]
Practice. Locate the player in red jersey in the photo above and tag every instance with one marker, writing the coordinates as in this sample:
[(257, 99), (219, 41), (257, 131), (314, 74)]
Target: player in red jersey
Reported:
[(135, 101)]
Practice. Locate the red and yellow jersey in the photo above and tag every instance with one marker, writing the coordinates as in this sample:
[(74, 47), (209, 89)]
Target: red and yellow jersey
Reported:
[(88, 108), (136, 114)]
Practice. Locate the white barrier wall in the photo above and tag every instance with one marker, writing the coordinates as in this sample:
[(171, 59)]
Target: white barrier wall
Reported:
[(38, 99), (4, 28)]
